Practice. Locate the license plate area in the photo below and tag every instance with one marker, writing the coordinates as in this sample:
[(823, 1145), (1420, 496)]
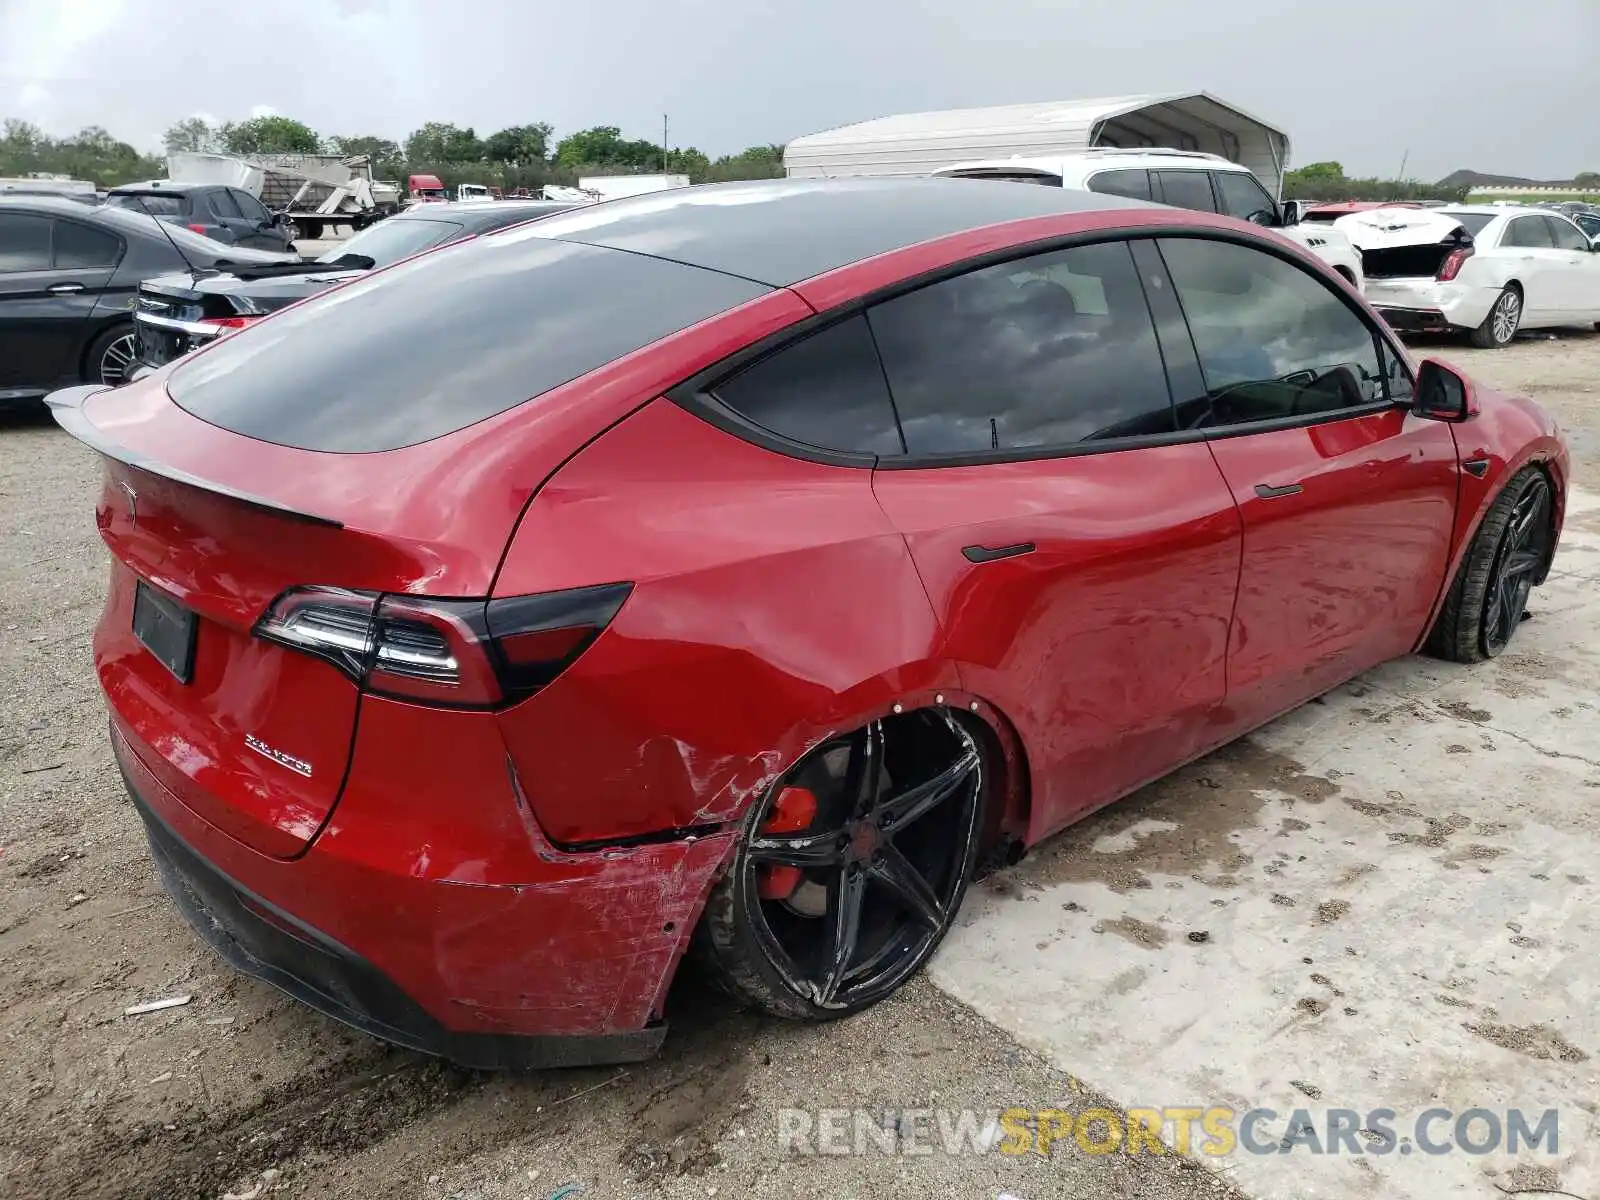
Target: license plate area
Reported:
[(166, 628)]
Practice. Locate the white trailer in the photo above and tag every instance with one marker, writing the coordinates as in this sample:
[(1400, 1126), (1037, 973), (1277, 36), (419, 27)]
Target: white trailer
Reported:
[(921, 143), (615, 187)]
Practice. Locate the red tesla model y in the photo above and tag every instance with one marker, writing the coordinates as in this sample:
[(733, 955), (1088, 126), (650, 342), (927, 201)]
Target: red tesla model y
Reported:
[(736, 571)]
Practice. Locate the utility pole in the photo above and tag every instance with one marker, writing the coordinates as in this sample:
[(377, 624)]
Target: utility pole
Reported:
[(663, 143)]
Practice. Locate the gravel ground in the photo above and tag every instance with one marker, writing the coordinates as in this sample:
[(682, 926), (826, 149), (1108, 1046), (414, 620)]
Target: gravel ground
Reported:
[(197, 1101)]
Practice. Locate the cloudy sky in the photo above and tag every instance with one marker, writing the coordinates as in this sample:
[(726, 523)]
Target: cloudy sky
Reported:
[(1497, 86)]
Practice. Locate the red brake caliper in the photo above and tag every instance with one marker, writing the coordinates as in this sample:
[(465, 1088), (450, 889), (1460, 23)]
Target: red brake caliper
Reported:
[(793, 810)]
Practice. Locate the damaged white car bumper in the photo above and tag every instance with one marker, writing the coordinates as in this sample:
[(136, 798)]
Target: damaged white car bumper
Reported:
[(1420, 305)]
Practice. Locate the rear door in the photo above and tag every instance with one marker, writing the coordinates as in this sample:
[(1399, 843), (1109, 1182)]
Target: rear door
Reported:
[(1540, 267), (1081, 553), (1348, 500), (53, 275)]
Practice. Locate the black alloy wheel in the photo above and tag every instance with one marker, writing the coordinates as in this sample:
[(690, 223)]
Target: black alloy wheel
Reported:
[(1524, 549), (836, 898), (1508, 557)]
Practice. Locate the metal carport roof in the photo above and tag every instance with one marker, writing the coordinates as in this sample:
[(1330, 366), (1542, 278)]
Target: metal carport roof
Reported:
[(918, 143)]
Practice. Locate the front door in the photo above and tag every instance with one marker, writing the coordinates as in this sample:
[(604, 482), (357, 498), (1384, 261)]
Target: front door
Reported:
[(1347, 499), (1081, 553)]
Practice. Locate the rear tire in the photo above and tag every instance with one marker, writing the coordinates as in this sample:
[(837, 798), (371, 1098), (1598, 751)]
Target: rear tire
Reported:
[(111, 356), (896, 816), (1500, 327), (1507, 556)]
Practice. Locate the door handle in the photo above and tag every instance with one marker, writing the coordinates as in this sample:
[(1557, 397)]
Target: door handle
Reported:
[(1268, 492), (64, 289), (983, 554)]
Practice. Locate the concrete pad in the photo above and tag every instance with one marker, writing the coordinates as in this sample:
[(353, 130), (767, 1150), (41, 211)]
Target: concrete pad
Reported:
[(1386, 899)]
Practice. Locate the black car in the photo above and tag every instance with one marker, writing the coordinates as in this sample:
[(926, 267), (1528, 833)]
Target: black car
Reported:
[(68, 276), (177, 313), (223, 214)]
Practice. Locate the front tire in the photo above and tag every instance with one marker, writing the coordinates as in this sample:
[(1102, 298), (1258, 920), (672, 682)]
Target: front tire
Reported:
[(1500, 327), (1508, 554), (851, 869)]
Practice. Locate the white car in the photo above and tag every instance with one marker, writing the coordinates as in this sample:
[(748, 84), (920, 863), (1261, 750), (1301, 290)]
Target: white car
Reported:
[(1181, 178), (1485, 270)]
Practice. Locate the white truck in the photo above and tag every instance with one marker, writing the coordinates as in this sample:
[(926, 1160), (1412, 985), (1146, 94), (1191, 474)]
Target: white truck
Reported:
[(316, 191)]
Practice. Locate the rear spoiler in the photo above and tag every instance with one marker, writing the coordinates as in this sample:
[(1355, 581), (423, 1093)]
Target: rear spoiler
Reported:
[(66, 406)]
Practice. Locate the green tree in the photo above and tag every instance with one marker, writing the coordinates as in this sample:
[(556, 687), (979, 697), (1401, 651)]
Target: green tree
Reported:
[(753, 162), (1587, 178), (270, 135), (520, 144), (605, 147), (442, 142), (689, 162), (91, 153), (193, 135), (387, 159)]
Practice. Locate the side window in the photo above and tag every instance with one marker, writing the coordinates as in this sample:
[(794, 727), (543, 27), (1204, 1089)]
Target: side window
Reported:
[(24, 243), (1396, 373), (82, 247), (826, 390), (250, 207), (1565, 235), (1589, 224), (1185, 189), (222, 204), (1122, 183), (1046, 351), (1273, 341), (1528, 233), (1243, 196)]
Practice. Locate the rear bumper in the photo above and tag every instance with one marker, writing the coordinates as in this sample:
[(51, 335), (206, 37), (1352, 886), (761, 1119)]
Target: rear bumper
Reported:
[(568, 970), (1417, 305)]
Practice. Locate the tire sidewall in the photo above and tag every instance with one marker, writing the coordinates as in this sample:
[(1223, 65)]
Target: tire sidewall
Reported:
[(103, 341)]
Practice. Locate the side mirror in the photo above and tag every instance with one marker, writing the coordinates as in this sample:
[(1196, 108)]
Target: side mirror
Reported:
[(1443, 394), (1289, 213)]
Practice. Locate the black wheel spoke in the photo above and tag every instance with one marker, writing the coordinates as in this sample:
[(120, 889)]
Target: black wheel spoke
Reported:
[(917, 802), (863, 778), (844, 919), (895, 872), (798, 850)]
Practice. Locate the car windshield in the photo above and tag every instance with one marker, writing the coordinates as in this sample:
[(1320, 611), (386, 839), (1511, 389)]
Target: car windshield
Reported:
[(389, 241), (1473, 222)]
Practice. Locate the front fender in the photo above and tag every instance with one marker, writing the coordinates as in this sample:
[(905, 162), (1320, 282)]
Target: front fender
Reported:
[(1511, 433)]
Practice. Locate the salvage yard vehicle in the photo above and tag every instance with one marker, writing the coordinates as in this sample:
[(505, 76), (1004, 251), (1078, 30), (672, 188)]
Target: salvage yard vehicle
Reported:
[(1183, 179), (486, 633), (1485, 271), (68, 272), (179, 312), (223, 214)]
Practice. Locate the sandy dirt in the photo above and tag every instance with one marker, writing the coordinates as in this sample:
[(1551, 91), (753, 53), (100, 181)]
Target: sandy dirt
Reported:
[(199, 1100)]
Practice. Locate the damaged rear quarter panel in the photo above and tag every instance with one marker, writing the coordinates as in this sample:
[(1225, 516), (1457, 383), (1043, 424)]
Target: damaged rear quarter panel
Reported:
[(773, 604)]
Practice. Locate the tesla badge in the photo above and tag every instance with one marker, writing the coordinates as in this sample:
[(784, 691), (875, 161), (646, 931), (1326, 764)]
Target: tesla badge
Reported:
[(298, 765)]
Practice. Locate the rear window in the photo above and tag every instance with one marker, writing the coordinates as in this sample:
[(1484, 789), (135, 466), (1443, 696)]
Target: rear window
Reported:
[(1474, 222), (165, 205), (389, 241), (444, 341)]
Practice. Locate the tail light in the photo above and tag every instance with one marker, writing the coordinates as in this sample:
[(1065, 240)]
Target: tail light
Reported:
[(200, 229), (228, 322), (1451, 267), (454, 653)]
